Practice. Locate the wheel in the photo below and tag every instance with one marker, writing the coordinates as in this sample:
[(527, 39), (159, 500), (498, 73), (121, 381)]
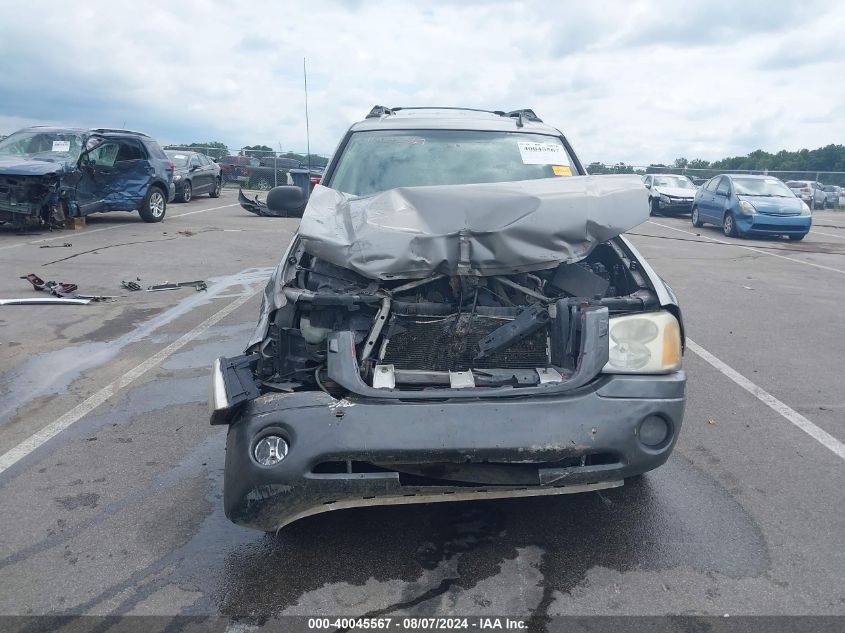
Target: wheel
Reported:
[(797, 238), (261, 184), (154, 205), (655, 208), (215, 193), (696, 221), (187, 192), (729, 225)]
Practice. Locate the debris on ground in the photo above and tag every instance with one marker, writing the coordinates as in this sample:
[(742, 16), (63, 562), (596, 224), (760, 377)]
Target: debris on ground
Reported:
[(61, 289), (45, 301), (196, 285), (711, 421), (65, 245), (131, 285)]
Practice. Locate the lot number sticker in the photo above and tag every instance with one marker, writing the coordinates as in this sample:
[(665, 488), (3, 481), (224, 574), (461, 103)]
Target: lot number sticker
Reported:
[(533, 153), (61, 146)]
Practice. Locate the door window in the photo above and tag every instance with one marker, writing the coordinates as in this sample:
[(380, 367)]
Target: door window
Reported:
[(712, 184), (195, 161), (724, 187), (105, 154)]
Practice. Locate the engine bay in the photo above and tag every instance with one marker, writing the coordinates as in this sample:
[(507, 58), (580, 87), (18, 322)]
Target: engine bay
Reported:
[(461, 331)]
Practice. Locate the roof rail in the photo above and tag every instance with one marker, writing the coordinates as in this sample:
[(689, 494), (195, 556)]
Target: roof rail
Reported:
[(526, 113), (109, 130), (378, 111)]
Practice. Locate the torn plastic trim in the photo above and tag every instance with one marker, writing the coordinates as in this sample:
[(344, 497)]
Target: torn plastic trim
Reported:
[(232, 383), (342, 366)]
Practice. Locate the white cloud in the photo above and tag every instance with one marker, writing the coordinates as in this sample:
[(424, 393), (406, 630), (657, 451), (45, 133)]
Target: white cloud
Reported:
[(632, 81)]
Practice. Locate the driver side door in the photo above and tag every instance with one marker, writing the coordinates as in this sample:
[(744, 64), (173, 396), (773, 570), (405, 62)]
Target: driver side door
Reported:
[(115, 175)]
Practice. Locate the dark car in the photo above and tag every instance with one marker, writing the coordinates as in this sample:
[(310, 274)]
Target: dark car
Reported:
[(751, 205), (50, 173), (458, 317), (194, 174), (669, 194)]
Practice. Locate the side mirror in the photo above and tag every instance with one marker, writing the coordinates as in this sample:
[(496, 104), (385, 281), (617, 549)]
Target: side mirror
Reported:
[(193, 168), (287, 200), (647, 185)]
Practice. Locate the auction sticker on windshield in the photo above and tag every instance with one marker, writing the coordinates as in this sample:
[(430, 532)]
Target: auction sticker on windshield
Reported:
[(61, 146), (539, 153)]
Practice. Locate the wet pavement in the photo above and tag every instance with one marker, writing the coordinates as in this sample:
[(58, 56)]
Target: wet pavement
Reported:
[(121, 512)]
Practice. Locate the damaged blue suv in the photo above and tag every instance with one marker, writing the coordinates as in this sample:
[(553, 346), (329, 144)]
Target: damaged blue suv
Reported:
[(48, 174), (458, 317)]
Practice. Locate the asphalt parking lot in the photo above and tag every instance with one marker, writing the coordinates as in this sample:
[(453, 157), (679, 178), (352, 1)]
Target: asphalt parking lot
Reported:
[(111, 475)]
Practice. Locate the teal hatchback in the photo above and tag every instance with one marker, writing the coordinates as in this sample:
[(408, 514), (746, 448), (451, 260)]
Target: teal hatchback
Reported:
[(742, 204)]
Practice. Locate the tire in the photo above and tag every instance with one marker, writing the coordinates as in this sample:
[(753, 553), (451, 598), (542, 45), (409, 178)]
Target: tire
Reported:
[(154, 205), (187, 192), (729, 225), (655, 209), (215, 192), (797, 238), (695, 219)]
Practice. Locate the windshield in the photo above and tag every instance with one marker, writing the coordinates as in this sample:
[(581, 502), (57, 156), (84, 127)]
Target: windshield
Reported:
[(762, 187), (379, 160), (180, 159), (52, 146), (680, 182)]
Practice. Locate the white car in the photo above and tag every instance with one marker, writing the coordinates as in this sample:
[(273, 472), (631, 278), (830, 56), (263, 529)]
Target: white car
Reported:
[(669, 194)]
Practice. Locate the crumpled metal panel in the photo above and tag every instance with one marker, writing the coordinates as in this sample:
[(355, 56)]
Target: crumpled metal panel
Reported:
[(479, 229)]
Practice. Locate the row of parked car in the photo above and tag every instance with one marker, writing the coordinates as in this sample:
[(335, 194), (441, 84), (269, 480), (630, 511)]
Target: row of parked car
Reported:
[(743, 204), (48, 174)]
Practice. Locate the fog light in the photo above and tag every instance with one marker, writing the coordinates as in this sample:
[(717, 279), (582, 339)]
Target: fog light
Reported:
[(270, 450), (653, 431)]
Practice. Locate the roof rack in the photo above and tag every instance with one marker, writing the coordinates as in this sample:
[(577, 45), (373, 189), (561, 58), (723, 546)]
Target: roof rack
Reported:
[(527, 113), (108, 130)]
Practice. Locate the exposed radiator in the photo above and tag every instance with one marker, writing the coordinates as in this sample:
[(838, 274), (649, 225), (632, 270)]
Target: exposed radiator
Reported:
[(451, 344)]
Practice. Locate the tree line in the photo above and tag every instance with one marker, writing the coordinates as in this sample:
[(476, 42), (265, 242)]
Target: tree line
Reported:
[(824, 159)]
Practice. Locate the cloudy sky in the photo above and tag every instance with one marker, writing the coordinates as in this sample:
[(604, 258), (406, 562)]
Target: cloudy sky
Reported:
[(635, 81)]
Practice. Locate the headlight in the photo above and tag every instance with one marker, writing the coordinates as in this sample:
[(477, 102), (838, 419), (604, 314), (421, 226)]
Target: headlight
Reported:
[(647, 343), (177, 178), (665, 199), (805, 210), (747, 207)]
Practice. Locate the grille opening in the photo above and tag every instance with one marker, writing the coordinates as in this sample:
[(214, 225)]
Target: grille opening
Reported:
[(600, 459), (346, 467), (451, 344)]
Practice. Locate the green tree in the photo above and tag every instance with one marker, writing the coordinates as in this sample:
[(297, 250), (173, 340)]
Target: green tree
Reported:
[(215, 149), (698, 163), (258, 151), (680, 163)]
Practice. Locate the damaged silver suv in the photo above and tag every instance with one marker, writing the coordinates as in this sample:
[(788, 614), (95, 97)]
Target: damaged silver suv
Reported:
[(458, 317)]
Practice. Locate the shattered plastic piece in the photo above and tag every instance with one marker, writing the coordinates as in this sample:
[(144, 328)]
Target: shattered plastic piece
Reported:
[(65, 245), (196, 285), (479, 229), (131, 285)]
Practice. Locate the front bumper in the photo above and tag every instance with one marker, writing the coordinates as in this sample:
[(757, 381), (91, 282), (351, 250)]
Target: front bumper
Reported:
[(600, 419), (762, 224), (675, 206)]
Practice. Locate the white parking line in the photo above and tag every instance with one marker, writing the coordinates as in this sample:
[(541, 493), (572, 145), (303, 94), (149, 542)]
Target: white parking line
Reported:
[(813, 232), (750, 248), (65, 236), (30, 444), (822, 437)]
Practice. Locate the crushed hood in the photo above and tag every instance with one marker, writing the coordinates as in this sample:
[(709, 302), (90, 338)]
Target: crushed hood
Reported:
[(480, 229), (23, 166)]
